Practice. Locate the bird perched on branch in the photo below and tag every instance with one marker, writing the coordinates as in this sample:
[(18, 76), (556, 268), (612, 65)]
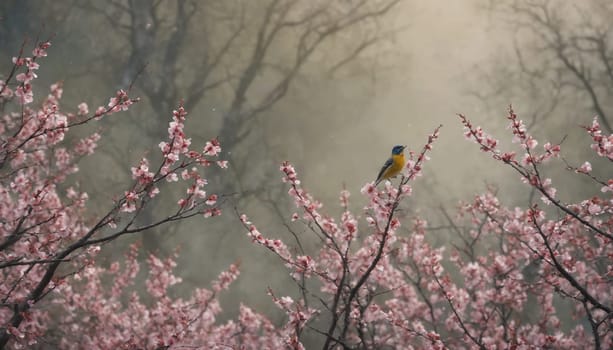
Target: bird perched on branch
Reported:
[(393, 165)]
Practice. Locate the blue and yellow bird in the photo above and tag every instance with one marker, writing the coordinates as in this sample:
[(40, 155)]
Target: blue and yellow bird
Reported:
[(393, 166)]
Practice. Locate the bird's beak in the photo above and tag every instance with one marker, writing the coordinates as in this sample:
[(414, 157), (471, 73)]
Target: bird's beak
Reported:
[(403, 147)]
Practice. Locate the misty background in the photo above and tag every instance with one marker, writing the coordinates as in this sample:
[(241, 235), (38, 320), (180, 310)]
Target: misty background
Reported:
[(330, 86)]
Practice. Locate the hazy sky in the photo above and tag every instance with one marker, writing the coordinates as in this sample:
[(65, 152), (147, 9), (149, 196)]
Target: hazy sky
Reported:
[(442, 44)]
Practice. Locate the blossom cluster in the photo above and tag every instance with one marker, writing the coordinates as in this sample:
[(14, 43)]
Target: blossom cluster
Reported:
[(120, 318)]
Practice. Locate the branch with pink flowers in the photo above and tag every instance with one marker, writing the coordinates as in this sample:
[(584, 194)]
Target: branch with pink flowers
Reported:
[(343, 272), (528, 167), (44, 228)]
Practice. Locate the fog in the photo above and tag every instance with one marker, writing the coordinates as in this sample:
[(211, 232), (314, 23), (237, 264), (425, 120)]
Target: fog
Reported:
[(337, 127)]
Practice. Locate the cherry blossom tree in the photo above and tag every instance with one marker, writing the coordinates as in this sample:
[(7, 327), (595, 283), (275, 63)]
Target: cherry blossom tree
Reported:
[(46, 236), (519, 278)]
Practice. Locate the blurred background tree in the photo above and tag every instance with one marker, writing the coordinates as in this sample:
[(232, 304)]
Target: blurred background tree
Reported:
[(561, 59)]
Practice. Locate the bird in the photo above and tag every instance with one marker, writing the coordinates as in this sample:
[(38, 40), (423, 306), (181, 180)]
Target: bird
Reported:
[(393, 165)]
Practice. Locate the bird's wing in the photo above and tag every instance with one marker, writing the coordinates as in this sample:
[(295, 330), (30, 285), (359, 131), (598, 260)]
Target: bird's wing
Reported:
[(388, 163)]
